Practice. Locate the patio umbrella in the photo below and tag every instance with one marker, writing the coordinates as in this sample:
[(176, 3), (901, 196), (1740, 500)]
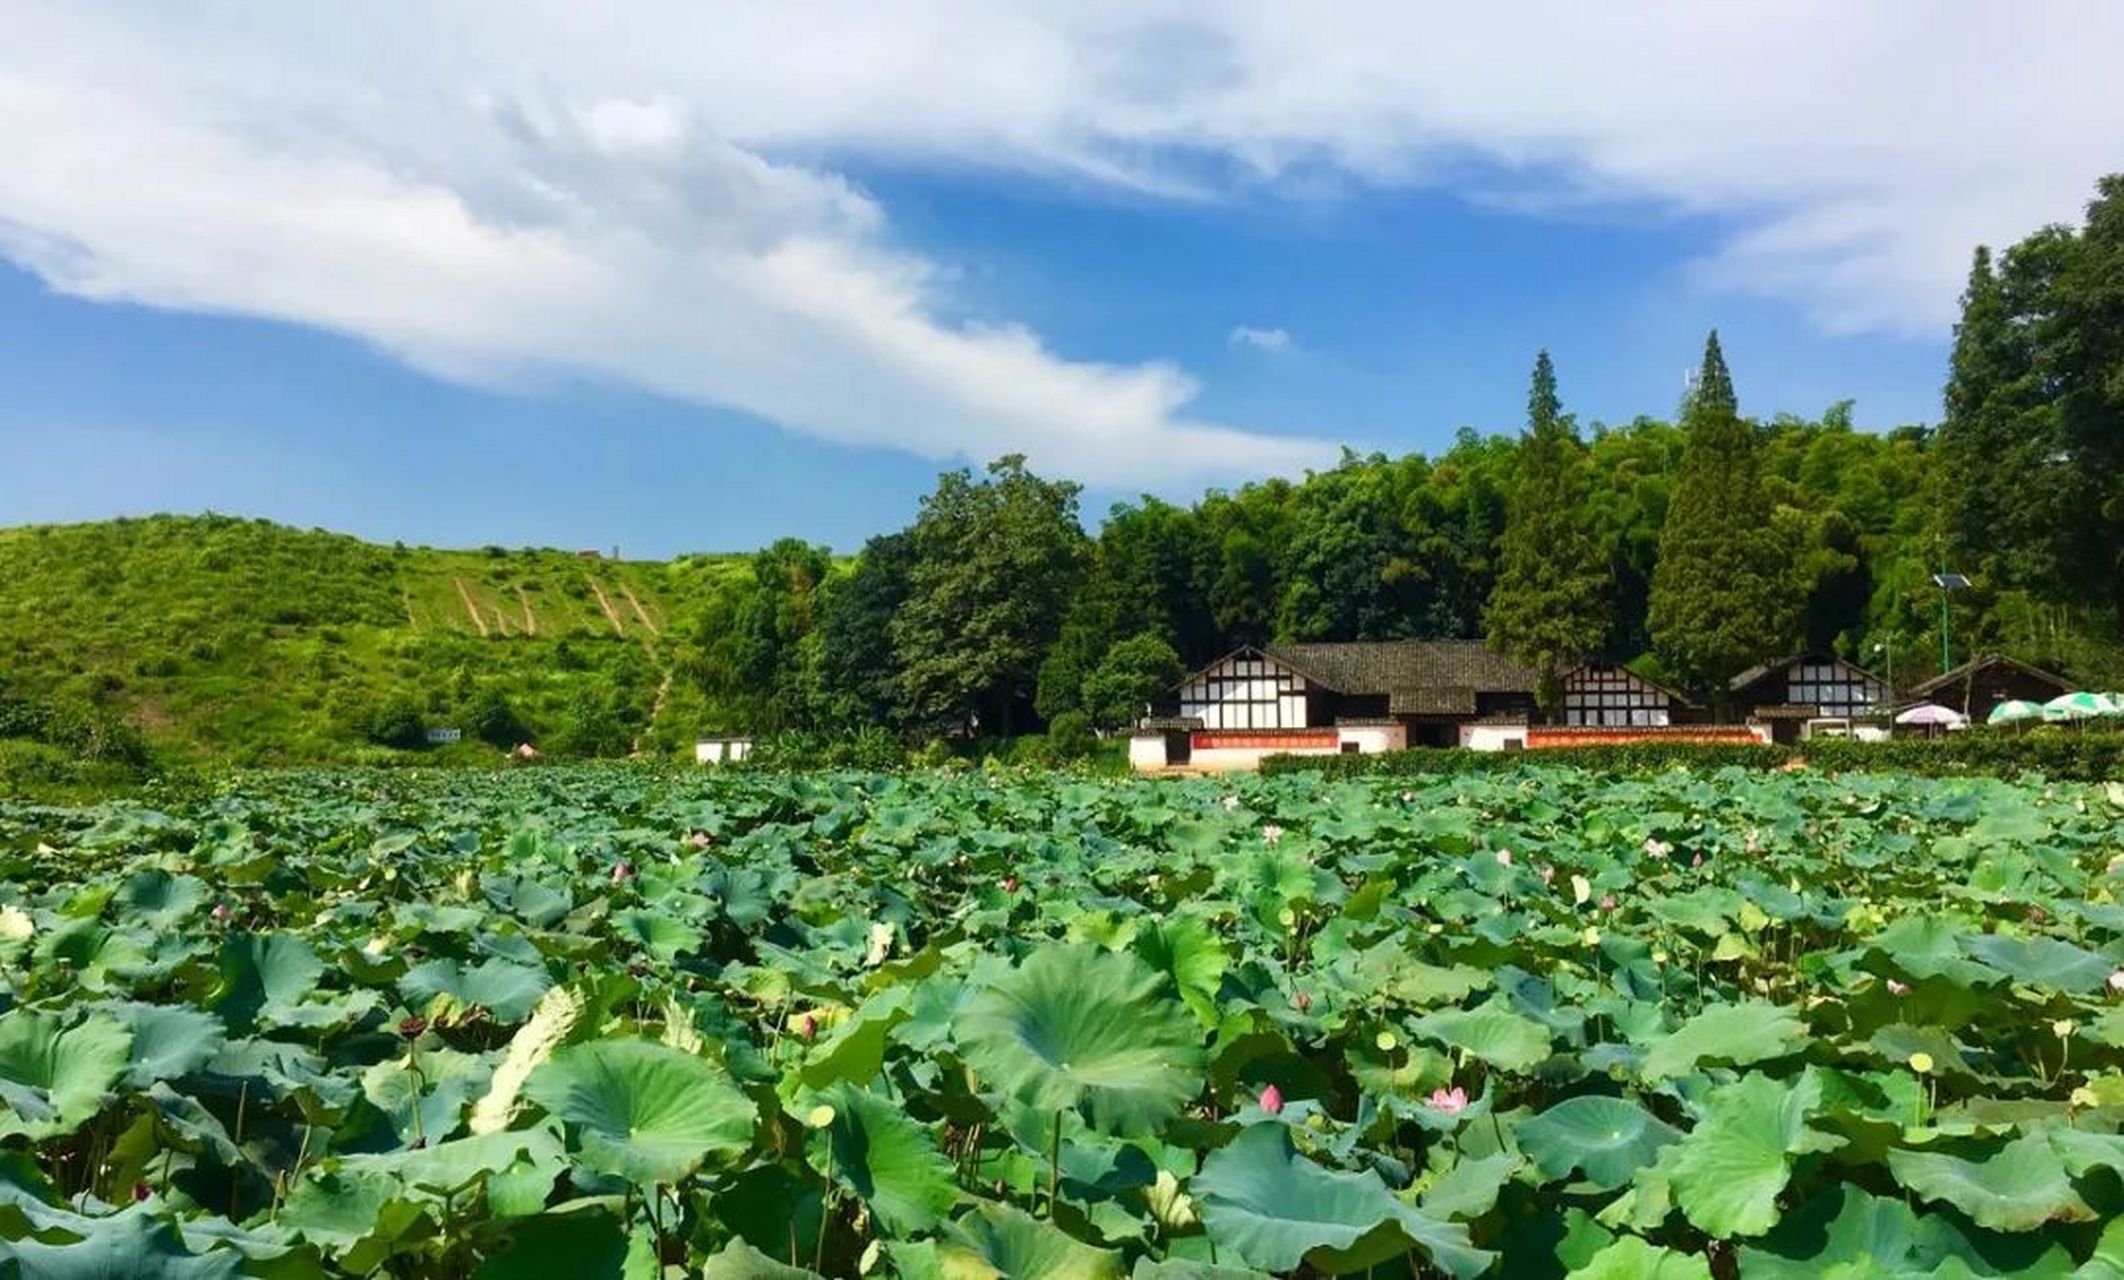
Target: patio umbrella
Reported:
[(1932, 714), (2076, 706), (2014, 712)]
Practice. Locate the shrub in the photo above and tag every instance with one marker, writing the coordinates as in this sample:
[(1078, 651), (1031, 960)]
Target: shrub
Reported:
[(2072, 755), (1070, 737), (397, 723)]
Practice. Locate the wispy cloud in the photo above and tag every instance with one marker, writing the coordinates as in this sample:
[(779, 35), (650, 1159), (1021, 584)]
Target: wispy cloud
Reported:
[(1247, 335), (497, 191)]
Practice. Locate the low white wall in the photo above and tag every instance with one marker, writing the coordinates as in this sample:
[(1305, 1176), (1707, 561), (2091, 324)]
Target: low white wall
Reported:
[(1491, 737), (720, 751), (1227, 759), (1373, 738), (1146, 752)]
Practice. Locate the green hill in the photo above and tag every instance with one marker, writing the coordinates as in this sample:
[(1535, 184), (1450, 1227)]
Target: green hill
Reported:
[(258, 643)]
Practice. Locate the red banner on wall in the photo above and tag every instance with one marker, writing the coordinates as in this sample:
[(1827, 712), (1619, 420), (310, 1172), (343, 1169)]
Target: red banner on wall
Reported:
[(1265, 740)]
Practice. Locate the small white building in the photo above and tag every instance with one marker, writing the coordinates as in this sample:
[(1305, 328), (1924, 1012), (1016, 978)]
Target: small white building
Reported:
[(721, 750)]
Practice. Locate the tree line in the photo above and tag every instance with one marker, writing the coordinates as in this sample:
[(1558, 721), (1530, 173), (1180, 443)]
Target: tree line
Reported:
[(1689, 548)]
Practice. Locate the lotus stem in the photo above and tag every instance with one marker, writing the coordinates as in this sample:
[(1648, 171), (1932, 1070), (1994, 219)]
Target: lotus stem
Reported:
[(1054, 1166)]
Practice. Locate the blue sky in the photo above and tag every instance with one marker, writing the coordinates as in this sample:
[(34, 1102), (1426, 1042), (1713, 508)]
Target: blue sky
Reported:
[(563, 288)]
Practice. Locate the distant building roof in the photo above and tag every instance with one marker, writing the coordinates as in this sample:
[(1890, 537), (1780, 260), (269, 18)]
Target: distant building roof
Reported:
[(1986, 662), (1417, 671)]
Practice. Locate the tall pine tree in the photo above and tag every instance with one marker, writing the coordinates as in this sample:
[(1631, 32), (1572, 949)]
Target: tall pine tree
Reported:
[(1724, 594), (1549, 609)]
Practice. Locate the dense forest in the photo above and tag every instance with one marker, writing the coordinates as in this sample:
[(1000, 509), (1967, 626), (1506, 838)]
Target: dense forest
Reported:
[(1688, 548)]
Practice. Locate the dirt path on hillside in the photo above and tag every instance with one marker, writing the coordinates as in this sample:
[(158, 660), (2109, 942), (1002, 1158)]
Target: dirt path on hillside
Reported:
[(411, 621), (501, 621), (530, 618), (606, 604), (464, 593), (639, 612), (656, 708)]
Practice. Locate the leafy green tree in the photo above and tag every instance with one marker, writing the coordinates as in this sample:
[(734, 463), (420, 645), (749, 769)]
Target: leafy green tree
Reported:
[(1724, 592), (1131, 674), (855, 674), (397, 723), (493, 719), (749, 639), (1549, 610), (995, 563)]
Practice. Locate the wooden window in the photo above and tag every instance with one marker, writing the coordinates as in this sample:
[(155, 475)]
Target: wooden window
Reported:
[(1610, 697), (1245, 693)]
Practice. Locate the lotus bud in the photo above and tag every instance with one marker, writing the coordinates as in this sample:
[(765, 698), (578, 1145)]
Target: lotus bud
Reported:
[(1898, 989), (221, 913), (1607, 902), (1272, 1100), (620, 871), (140, 1192), (1697, 861), (1504, 857), (1304, 1000), (1010, 884), (808, 1027), (412, 1026), (1451, 1101)]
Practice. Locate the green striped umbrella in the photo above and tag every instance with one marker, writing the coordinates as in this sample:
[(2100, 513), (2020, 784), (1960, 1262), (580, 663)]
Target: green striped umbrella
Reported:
[(2076, 706), (2014, 712)]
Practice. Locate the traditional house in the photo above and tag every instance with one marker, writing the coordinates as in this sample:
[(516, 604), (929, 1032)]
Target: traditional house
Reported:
[(1982, 683), (1613, 697), (1791, 693), (1328, 697)]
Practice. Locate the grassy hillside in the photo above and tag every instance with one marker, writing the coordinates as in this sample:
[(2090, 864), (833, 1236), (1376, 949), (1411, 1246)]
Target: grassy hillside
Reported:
[(258, 643)]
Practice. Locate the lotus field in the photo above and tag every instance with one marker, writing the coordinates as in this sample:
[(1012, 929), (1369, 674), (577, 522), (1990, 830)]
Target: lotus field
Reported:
[(609, 1022)]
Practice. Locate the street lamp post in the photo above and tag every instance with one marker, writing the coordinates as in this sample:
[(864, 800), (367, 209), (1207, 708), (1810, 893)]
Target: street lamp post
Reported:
[(1948, 583)]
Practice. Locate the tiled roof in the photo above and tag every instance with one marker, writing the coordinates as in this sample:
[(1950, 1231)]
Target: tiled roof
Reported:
[(1977, 664), (1416, 670)]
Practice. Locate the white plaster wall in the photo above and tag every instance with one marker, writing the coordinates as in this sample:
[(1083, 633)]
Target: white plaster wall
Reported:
[(1373, 738), (1146, 753), (1490, 737), (1227, 759)]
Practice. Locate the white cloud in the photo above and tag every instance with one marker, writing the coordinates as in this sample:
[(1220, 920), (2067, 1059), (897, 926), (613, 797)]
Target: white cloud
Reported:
[(1247, 335), (500, 192)]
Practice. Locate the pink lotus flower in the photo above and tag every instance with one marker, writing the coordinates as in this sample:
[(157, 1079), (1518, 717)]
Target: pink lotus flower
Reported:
[(808, 1027), (1010, 884), (1697, 861), (1898, 989), (701, 839), (1230, 802), (620, 871), (221, 913), (1655, 848), (1451, 1101), (1272, 833), (1504, 857), (1304, 999), (1607, 902), (1548, 874), (1272, 1100)]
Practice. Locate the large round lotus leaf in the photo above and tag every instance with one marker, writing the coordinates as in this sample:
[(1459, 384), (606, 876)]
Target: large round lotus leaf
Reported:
[(1731, 1168), (1013, 1243), (131, 1246), (1608, 1138), (888, 1160), (1077, 1027), (1506, 1040), (641, 1111), (502, 987), (1273, 1208), (1751, 1031), (169, 1040), (2019, 1188), (155, 897), (261, 972), (1631, 1258), (60, 1075)]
